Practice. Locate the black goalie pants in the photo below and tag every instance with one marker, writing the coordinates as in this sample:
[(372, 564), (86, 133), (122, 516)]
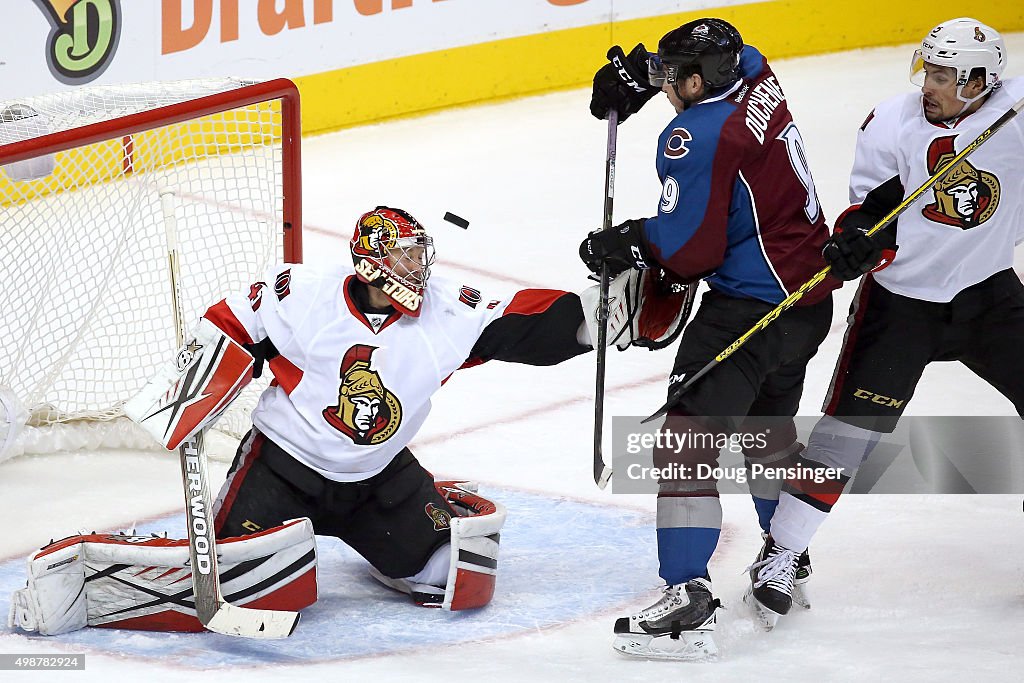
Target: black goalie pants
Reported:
[(395, 519)]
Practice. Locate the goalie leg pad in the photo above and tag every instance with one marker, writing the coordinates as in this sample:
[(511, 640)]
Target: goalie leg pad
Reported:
[(471, 557), (190, 392), (474, 546), (53, 600), (145, 583)]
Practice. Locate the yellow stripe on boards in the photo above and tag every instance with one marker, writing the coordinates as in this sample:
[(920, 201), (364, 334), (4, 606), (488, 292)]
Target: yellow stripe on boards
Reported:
[(564, 59)]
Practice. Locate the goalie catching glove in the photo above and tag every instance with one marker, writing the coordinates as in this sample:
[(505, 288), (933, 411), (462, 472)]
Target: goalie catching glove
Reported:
[(644, 309), (145, 583), (190, 392)]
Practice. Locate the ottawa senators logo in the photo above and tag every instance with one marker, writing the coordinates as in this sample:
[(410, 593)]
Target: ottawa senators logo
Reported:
[(377, 234), (366, 411), (966, 196), (442, 519)]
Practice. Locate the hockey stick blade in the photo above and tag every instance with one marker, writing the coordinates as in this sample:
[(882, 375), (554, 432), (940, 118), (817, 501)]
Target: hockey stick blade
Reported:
[(213, 612), (602, 479), (265, 624)]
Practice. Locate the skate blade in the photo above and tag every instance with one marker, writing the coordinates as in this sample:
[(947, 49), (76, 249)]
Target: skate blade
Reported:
[(690, 646), (800, 596), (765, 617)]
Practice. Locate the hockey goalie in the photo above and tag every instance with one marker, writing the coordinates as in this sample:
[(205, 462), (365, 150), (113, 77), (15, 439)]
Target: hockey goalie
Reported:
[(356, 352)]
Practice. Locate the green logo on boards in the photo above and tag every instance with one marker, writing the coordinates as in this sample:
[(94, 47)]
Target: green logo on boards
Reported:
[(83, 37)]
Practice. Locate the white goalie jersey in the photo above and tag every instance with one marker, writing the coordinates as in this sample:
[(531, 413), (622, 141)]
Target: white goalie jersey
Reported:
[(965, 228), (351, 390)]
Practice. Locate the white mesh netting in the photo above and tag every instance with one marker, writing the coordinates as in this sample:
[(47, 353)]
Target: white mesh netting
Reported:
[(86, 299)]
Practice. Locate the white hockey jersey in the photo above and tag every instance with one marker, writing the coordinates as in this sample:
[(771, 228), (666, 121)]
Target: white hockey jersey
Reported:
[(965, 228), (350, 390)]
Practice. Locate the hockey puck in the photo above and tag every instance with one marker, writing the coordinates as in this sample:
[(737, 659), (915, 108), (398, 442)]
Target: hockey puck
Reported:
[(456, 220)]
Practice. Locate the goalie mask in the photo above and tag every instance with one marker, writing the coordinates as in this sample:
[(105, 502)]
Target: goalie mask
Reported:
[(392, 251)]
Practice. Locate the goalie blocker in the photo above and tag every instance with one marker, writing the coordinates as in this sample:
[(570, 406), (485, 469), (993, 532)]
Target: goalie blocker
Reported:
[(144, 583), (190, 392)]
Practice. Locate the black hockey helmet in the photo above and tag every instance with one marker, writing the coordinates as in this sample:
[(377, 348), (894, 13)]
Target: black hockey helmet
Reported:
[(710, 47)]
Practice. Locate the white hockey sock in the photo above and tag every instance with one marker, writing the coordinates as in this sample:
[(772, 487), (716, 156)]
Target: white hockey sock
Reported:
[(795, 523)]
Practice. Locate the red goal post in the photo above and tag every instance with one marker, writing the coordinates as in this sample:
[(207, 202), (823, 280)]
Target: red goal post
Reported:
[(88, 312)]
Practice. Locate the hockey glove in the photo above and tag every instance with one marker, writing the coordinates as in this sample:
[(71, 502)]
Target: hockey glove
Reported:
[(619, 248), (622, 84), (851, 253)]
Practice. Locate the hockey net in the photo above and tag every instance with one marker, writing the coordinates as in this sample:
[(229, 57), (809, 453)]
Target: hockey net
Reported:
[(87, 296)]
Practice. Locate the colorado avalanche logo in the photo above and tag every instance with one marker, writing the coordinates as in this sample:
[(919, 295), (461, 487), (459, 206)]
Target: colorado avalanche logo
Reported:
[(366, 411), (675, 146), (966, 196)]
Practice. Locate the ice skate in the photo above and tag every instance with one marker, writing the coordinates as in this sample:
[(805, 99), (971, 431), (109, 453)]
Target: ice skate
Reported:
[(772, 575), (804, 570), (678, 626)]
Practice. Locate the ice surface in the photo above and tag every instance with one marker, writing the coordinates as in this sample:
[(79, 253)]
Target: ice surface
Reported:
[(915, 588)]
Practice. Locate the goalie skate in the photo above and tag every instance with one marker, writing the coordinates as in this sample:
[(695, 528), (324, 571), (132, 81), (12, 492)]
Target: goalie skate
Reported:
[(679, 626)]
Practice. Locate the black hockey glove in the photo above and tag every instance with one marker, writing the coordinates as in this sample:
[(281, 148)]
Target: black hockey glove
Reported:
[(622, 84), (851, 253), (620, 248)]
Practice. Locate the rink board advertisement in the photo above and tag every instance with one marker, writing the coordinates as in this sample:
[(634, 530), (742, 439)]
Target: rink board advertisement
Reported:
[(364, 60)]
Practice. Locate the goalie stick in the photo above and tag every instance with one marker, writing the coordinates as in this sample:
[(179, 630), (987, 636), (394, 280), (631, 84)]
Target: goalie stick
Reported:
[(790, 300), (603, 473), (215, 613)]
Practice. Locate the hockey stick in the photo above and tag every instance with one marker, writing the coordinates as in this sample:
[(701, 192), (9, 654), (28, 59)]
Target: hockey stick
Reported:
[(213, 611), (602, 473), (790, 300)]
